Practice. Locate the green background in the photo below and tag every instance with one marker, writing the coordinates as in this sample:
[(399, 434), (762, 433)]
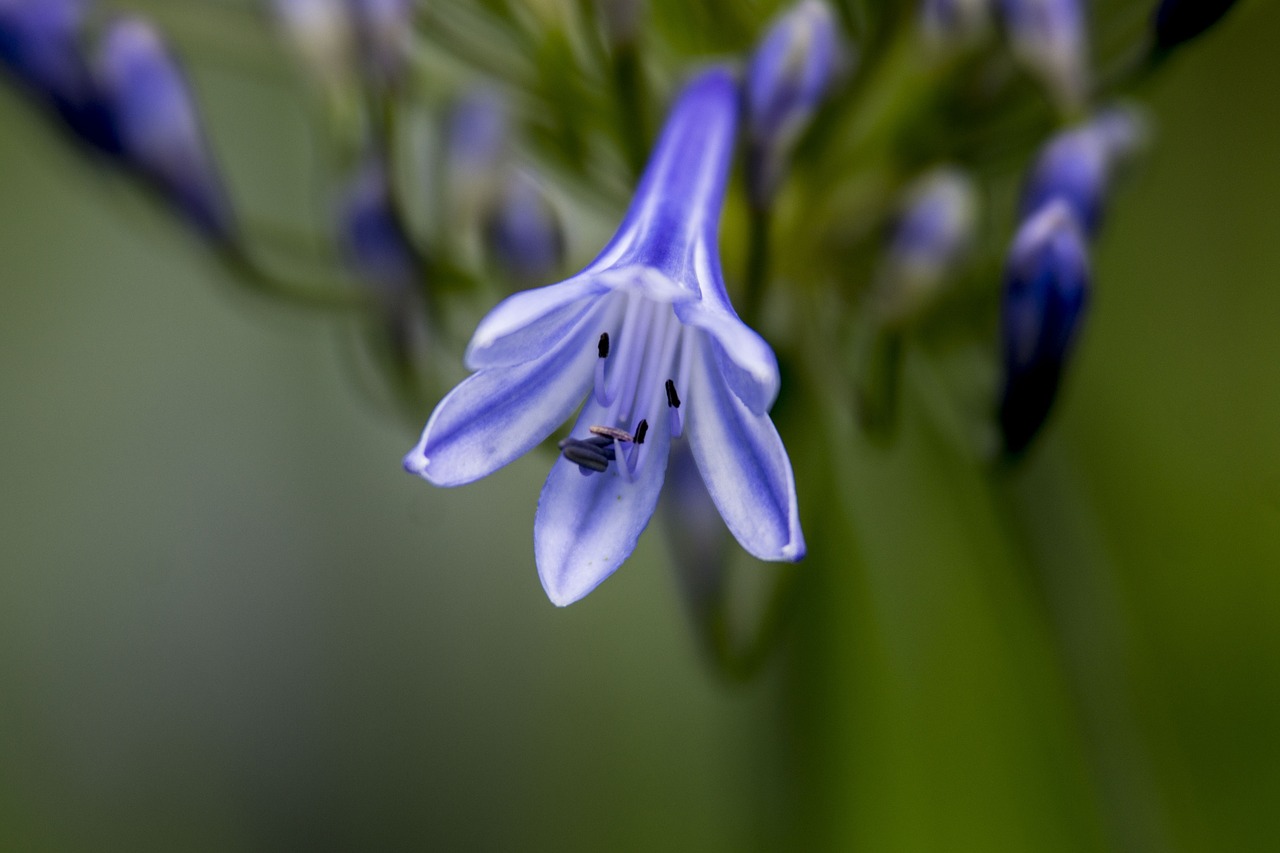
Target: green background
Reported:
[(229, 621)]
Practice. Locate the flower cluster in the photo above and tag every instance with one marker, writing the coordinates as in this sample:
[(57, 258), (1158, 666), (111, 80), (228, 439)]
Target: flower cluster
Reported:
[(474, 149)]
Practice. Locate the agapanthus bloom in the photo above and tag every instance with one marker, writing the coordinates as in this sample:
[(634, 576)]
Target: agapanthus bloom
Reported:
[(646, 333)]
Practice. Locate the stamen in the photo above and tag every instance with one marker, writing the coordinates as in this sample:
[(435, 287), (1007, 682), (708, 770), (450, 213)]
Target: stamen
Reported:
[(623, 463), (642, 429), (673, 399), (602, 388), (612, 433), (582, 455)]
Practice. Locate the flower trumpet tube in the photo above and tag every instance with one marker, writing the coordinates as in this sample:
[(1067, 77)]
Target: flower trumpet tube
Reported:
[(647, 335)]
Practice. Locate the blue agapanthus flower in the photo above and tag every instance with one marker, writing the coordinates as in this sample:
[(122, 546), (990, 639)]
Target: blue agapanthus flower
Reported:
[(645, 333)]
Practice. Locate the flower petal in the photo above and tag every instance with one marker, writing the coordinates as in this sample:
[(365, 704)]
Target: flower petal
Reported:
[(743, 464), (744, 360), (499, 414), (525, 325), (587, 525)]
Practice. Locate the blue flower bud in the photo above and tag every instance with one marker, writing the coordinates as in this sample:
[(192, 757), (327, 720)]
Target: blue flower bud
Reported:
[(156, 119), (1179, 21), (40, 46), (477, 145), (1046, 287), (522, 232), (372, 240), (1049, 37), (1078, 166), (384, 30), (320, 33), (954, 22), (933, 231), (791, 73)]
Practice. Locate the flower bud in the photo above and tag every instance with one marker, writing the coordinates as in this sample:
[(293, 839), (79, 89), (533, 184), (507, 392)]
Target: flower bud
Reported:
[(320, 33), (477, 145), (1049, 37), (934, 229), (377, 249), (522, 232), (791, 73), (40, 46), (372, 239), (155, 116), (1079, 165), (954, 22), (1046, 286), (1179, 21), (384, 29)]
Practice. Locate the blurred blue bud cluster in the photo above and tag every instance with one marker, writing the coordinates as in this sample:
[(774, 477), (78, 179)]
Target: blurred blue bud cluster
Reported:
[(489, 190), (125, 96), (472, 146)]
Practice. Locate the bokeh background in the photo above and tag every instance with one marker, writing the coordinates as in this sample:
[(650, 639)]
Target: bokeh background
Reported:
[(228, 621)]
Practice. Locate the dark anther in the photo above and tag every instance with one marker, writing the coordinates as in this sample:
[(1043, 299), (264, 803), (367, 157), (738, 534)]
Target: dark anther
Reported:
[(673, 399), (641, 429), (603, 347)]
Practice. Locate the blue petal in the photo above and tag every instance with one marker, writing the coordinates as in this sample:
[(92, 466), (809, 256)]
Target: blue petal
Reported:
[(744, 465), (499, 414), (586, 526), (526, 325), (745, 361)]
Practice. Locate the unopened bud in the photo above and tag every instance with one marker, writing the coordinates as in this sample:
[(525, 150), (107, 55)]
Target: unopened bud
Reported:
[(522, 232), (1046, 288), (1050, 38), (1078, 166), (791, 73), (155, 116), (930, 236), (320, 33), (385, 30), (1179, 21), (371, 236), (40, 47)]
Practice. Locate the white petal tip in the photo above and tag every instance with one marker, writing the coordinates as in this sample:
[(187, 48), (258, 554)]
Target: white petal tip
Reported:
[(793, 552), (415, 462), (565, 597)]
